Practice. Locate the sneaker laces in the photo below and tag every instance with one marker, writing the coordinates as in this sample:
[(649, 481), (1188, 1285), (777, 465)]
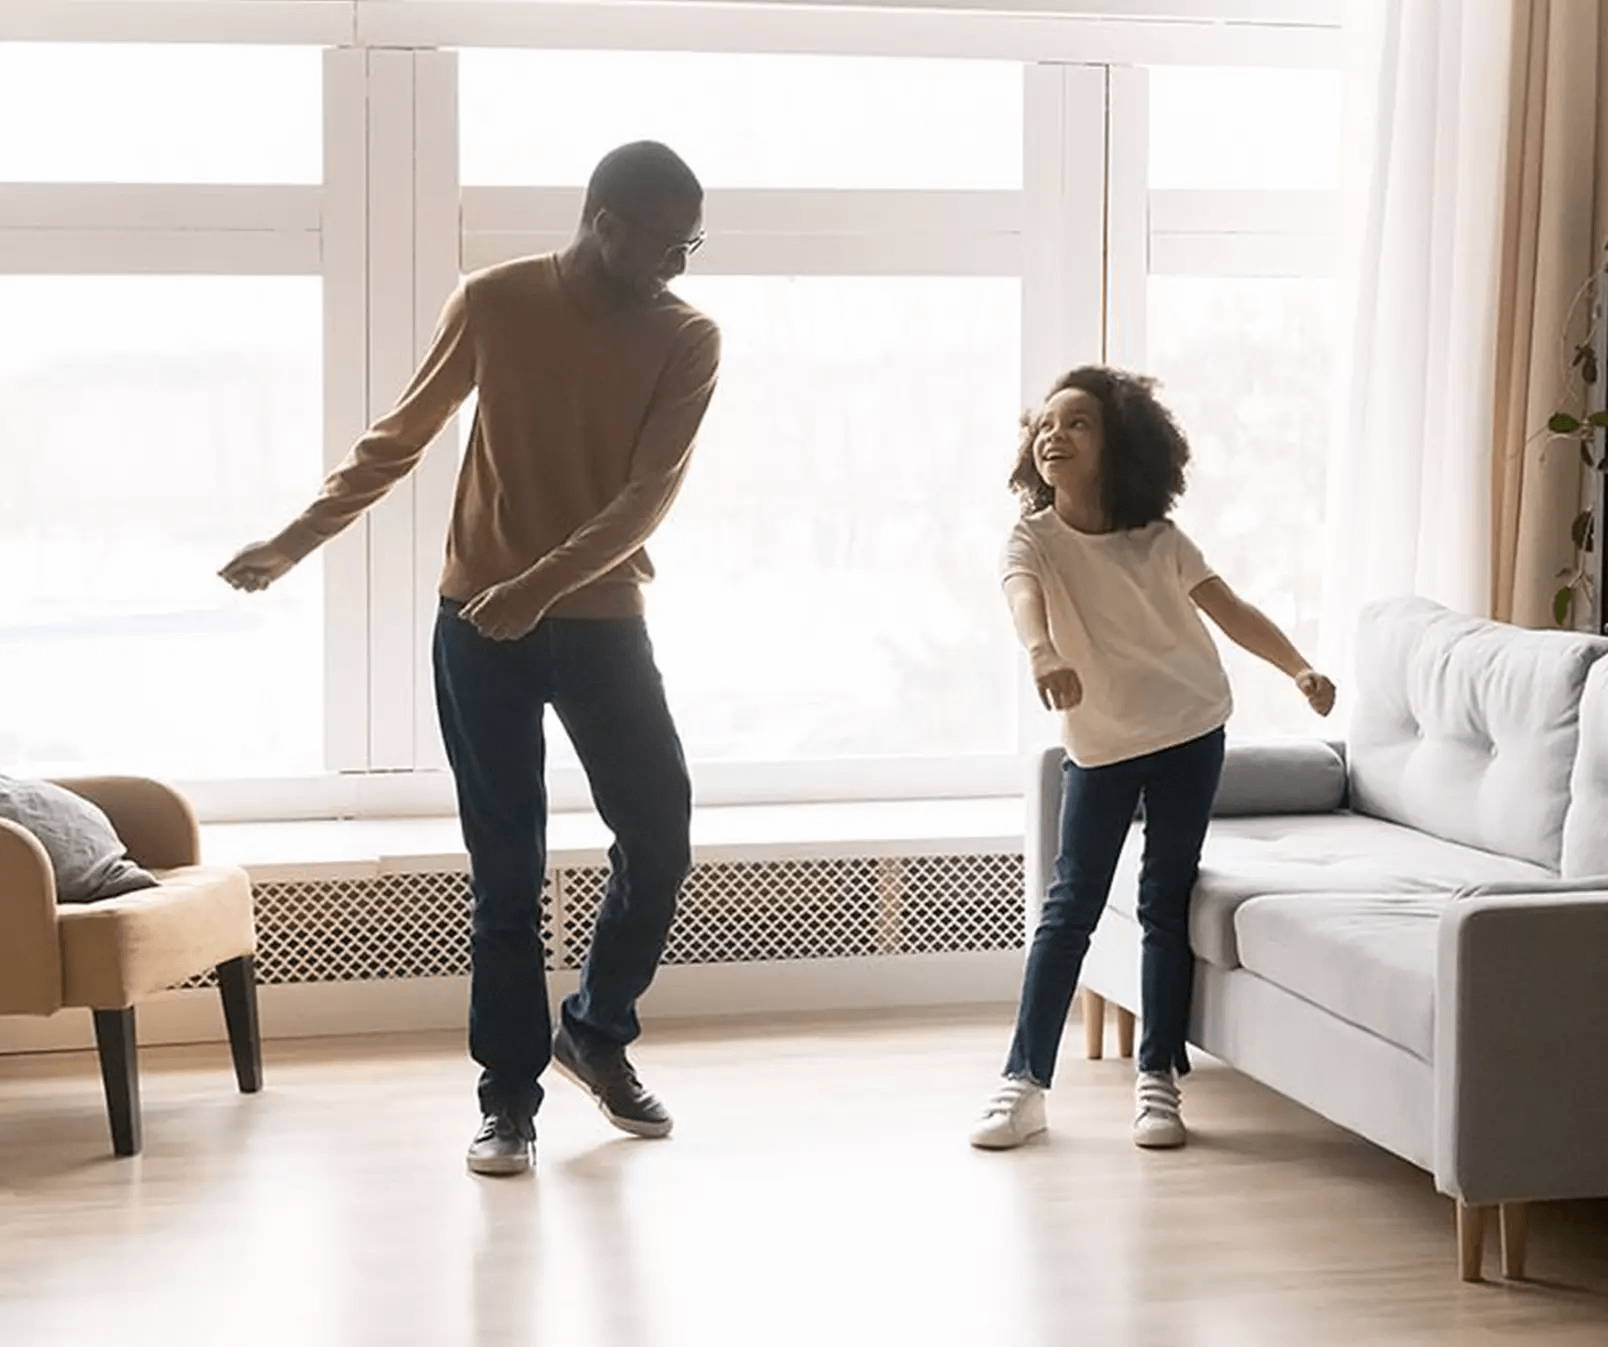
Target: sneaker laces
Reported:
[(1157, 1094), (499, 1124), (1008, 1097)]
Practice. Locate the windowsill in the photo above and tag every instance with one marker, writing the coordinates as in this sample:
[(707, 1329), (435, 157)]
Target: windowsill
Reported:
[(360, 848)]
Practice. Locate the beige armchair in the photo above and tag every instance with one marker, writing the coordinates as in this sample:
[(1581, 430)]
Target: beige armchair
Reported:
[(106, 956)]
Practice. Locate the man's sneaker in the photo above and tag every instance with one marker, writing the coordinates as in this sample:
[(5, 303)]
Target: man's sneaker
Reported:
[(1157, 1123), (606, 1075), (501, 1146), (1013, 1114)]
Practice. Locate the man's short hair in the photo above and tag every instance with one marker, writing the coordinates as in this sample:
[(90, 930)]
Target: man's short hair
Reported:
[(638, 177)]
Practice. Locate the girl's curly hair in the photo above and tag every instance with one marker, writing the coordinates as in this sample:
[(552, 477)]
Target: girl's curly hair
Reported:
[(1142, 468)]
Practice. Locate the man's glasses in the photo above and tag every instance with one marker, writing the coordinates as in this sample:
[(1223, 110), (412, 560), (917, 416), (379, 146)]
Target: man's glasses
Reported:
[(680, 250)]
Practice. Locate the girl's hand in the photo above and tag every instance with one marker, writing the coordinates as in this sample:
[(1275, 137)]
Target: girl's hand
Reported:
[(1317, 689), (1059, 687)]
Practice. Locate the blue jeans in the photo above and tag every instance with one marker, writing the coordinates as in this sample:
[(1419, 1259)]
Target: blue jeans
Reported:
[(1098, 805), (599, 676)]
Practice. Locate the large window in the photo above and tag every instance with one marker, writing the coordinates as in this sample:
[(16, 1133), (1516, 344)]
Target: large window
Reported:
[(162, 402), (1238, 316), (827, 585), (221, 254)]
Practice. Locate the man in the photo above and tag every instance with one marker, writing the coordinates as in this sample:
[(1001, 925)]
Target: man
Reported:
[(593, 379)]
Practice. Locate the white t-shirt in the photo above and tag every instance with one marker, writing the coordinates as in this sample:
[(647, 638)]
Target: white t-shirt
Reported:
[(1120, 615)]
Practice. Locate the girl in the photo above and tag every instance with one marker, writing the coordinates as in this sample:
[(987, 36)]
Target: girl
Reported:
[(1103, 589)]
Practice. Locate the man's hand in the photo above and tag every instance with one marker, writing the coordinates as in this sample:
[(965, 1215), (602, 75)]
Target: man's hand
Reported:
[(507, 611), (1317, 689), (1059, 687), (257, 567)]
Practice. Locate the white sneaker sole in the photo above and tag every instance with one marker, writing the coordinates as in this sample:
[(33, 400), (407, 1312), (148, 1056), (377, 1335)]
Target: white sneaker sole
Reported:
[(499, 1164), (636, 1128), (1008, 1143), (1165, 1142)]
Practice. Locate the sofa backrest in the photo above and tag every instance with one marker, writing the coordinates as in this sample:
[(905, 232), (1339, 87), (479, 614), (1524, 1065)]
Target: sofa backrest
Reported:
[(1585, 827), (1467, 729)]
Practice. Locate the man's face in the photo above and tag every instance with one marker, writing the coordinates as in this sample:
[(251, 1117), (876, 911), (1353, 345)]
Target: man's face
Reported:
[(644, 253)]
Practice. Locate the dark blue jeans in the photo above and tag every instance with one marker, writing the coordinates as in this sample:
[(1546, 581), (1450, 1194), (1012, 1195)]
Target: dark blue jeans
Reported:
[(1098, 804), (599, 676)]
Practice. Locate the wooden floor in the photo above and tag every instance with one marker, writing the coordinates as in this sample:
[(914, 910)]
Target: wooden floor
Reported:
[(818, 1191)]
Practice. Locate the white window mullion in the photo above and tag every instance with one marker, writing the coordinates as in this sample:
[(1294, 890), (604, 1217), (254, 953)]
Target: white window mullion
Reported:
[(437, 244), (392, 355), (344, 228), (1127, 217)]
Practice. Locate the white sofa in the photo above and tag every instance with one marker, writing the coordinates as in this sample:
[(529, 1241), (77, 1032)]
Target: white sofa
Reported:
[(1408, 933)]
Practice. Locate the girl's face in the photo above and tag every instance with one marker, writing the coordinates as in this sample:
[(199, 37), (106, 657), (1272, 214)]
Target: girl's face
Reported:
[(1069, 443)]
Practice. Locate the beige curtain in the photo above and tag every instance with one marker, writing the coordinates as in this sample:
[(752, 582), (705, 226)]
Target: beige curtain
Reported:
[(1555, 223)]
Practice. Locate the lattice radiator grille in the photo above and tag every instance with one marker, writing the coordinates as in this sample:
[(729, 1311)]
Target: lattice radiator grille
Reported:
[(417, 925)]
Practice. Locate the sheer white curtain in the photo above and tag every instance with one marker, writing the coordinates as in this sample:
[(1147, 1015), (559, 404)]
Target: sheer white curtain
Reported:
[(1410, 483)]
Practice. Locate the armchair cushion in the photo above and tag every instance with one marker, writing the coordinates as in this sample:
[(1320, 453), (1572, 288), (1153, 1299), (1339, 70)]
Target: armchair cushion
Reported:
[(117, 951)]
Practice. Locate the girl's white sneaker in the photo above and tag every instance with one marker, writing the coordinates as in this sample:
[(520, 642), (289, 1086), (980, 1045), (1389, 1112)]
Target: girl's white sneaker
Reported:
[(1013, 1114), (1158, 1123)]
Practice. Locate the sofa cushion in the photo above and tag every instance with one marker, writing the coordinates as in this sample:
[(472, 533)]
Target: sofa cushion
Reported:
[(1585, 828), (117, 951), (1466, 728), (1367, 958), (1247, 858)]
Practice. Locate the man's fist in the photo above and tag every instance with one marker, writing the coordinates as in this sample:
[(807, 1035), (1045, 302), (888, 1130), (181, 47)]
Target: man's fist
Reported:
[(257, 567)]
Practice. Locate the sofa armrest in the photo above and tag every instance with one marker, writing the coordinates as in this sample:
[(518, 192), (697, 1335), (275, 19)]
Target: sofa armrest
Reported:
[(154, 821), (1521, 1030), (30, 949), (1297, 776), (1042, 839)]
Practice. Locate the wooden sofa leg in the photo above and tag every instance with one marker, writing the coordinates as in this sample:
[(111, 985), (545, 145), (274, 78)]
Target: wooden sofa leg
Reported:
[(1125, 1023), (237, 984), (1515, 1217), (120, 1072), (1470, 1241), (1093, 1025)]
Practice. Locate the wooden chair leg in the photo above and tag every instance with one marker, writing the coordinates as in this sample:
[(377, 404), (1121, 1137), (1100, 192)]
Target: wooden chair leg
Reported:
[(120, 1072), (1093, 1025), (1515, 1218), (1125, 1023), (237, 984), (1470, 1241)]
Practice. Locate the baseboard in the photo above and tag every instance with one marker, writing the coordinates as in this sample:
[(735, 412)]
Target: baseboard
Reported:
[(317, 1009)]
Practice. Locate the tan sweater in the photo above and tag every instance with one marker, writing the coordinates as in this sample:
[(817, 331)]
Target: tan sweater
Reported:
[(582, 434)]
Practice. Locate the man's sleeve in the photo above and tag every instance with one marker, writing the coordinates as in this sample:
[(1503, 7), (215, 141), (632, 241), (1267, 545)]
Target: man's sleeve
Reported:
[(395, 443), (658, 465)]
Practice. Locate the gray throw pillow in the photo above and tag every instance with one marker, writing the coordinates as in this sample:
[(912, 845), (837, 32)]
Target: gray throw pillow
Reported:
[(86, 853), (1281, 777)]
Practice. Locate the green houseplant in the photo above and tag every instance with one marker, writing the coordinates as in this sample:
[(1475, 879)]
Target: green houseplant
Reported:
[(1585, 422)]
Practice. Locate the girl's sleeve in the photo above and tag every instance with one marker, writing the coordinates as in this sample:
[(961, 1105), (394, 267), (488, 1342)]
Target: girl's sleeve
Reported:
[(1192, 568), (1019, 556)]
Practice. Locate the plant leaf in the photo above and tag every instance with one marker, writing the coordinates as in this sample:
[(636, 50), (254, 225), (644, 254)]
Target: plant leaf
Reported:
[(1563, 424), (1598, 419), (1580, 530), (1562, 601), (1585, 454)]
